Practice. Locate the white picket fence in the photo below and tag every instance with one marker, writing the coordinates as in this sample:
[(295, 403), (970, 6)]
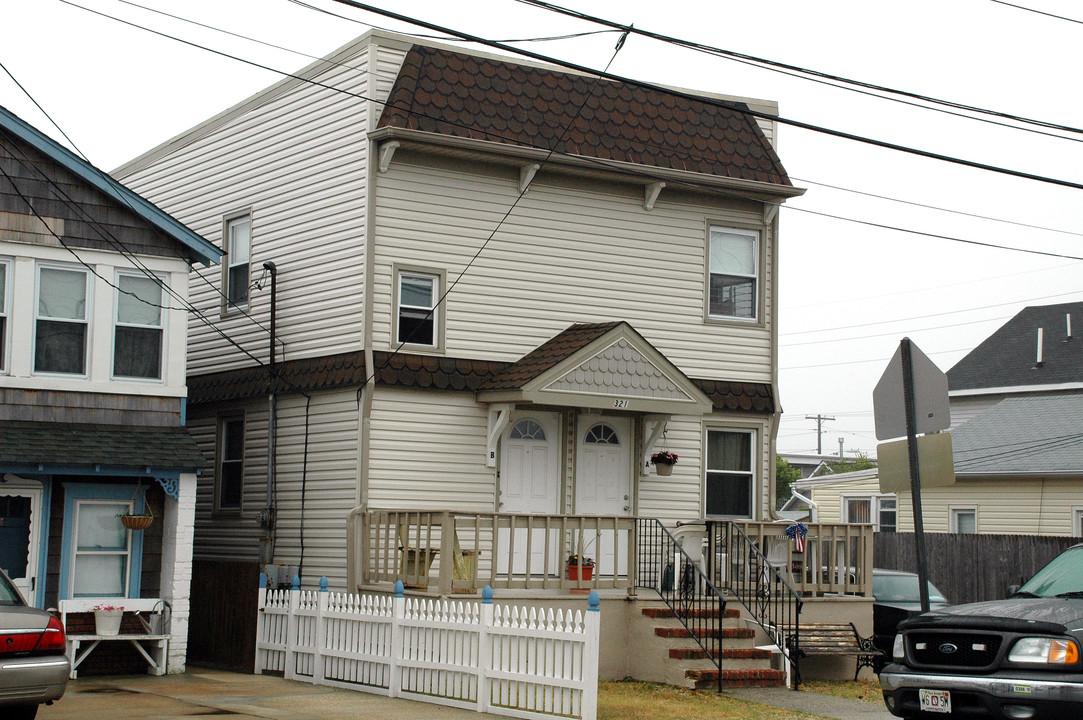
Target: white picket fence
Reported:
[(519, 662)]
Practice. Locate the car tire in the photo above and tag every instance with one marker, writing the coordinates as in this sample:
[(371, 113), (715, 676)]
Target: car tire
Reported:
[(22, 712)]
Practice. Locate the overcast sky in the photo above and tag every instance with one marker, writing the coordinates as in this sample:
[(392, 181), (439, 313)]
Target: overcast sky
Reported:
[(849, 291)]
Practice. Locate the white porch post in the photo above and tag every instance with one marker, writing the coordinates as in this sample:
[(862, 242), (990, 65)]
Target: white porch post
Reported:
[(178, 535)]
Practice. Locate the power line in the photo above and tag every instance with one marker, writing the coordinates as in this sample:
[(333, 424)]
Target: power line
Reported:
[(859, 362), (796, 68), (896, 332), (736, 107), (1038, 12)]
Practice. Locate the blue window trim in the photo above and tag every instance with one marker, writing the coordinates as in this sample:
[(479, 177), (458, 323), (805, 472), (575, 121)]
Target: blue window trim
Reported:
[(98, 491), (43, 542)]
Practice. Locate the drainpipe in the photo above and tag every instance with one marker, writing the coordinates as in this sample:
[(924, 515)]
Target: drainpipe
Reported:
[(267, 520)]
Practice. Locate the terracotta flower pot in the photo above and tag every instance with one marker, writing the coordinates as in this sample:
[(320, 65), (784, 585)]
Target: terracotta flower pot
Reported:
[(580, 572)]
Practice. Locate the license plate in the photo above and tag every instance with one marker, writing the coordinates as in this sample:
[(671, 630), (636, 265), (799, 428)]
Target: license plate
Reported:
[(935, 701)]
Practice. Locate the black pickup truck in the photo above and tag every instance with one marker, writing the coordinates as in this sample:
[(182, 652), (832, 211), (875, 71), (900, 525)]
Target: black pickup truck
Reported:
[(1018, 658)]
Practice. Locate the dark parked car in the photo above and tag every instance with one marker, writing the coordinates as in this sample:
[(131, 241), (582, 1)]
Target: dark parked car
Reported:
[(1011, 659), (33, 667), (896, 597)]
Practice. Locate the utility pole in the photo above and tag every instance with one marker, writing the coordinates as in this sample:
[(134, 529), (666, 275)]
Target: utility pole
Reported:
[(820, 419)]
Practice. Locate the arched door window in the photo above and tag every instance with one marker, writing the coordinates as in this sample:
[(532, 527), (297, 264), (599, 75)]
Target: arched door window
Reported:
[(527, 429), (602, 434)]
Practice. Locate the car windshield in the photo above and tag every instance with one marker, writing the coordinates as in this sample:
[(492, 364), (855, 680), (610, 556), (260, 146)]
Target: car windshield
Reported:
[(8, 594), (902, 588), (1063, 574)]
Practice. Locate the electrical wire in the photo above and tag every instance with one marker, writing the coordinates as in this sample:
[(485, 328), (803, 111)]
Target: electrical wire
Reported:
[(859, 362), (1038, 12)]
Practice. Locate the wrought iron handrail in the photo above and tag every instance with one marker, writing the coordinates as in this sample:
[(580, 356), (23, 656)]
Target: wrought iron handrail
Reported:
[(684, 586), (740, 566)]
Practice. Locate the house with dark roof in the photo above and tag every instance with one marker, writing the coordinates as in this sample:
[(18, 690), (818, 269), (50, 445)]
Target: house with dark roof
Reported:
[(1016, 405), (93, 332), (466, 299)]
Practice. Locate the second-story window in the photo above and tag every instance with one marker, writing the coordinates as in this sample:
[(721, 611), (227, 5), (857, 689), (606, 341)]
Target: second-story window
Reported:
[(238, 258), (3, 315), (418, 315), (60, 334), (733, 282), (137, 340), (229, 482)]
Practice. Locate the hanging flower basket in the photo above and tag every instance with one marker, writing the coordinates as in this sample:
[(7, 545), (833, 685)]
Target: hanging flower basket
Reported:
[(136, 522), (663, 462)]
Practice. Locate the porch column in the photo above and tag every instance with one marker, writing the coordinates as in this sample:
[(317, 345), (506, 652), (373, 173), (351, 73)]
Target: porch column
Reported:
[(178, 536)]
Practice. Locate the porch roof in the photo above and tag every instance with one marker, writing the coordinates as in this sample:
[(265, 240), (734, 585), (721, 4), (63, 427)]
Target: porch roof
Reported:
[(74, 447)]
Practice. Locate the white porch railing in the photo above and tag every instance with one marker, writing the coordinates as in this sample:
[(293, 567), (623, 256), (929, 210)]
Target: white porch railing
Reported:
[(499, 659)]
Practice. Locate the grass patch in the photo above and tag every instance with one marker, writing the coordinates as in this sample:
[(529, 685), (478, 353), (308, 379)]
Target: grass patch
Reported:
[(631, 700), (866, 690)]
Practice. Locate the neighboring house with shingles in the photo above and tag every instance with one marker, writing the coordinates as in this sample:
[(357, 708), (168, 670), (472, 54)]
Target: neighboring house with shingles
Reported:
[(1017, 438), (498, 288), (93, 326)]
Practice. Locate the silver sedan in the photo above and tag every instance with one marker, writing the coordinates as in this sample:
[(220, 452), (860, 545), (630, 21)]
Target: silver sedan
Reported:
[(33, 666)]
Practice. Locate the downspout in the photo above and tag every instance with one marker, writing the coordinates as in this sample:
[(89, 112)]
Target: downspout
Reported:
[(771, 220), (268, 520)]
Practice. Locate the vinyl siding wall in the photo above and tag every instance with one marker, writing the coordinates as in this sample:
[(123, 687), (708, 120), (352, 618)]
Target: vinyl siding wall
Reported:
[(828, 496), (297, 162), (570, 251)]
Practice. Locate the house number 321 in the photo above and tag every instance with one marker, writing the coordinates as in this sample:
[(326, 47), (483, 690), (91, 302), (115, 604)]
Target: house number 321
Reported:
[(620, 403)]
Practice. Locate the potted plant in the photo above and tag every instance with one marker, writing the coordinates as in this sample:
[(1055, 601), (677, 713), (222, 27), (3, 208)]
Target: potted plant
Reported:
[(580, 568), (140, 521), (107, 619), (663, 462)]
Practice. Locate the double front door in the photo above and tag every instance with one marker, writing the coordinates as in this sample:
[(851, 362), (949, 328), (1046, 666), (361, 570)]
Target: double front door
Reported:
[(531, 484)]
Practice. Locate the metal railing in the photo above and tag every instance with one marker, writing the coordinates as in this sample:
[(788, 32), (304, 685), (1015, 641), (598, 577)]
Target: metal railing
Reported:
[(678, 574), (760, 583)]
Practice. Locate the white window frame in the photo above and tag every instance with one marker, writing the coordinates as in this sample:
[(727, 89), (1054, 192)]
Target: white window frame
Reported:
[(88, 304), (756, 276), (161, 327), (5, 315), (220, 458), (954, 511), (1077, 520), (437, 277), (875, 507), (228, 223), (751, 473)]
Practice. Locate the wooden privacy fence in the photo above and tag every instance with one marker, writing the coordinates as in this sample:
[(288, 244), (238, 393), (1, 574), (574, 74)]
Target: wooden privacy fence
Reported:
[(971, 568), (503, 660)]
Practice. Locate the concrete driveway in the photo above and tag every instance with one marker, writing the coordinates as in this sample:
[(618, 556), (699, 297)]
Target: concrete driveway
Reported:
[(201, 692)]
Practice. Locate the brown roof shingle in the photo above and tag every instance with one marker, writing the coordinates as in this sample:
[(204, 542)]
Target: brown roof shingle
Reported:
[(547, 355), (466, 96)]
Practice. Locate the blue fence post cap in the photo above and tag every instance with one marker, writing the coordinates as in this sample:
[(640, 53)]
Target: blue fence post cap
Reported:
[(593, 601), (296, 582), (323, 584), (486, 595), (399, 588), (263, 581)]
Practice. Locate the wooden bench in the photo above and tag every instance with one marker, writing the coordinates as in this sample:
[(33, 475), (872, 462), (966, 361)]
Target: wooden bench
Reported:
[(835, 639), (158, 643)]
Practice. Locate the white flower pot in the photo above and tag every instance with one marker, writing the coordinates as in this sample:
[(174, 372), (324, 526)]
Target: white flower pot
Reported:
[(107, 622), (663, 469)]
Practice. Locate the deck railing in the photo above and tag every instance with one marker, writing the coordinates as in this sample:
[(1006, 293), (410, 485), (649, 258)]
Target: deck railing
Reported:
[(459, 552)]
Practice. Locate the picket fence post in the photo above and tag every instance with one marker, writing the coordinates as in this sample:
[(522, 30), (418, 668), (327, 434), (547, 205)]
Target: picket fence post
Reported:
[(290, 672), (319, 672), (398, 612), (261, 621), (485, 651), (592, 625)]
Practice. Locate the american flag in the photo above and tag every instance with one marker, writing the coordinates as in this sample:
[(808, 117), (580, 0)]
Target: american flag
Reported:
[(797, 532)]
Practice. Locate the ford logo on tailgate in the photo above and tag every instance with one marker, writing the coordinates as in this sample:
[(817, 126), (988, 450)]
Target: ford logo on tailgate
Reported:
[(948, 648)]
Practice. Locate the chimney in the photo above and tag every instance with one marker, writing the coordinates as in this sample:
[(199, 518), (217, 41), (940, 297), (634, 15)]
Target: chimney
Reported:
[(1068, 323), (1039, 363)]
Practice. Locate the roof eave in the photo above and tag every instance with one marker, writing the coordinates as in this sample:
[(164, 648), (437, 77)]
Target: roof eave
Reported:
[(768, 192), (1007, 390), (200, 249)]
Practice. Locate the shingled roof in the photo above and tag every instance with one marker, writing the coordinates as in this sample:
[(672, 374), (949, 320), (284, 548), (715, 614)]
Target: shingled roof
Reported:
[(107, 447), (466, 96), (443, 373), (1007, 358)]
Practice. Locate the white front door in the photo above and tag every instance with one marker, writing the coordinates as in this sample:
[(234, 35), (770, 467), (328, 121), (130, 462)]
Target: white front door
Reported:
[(20, 533), (603, 485), (529, 485)]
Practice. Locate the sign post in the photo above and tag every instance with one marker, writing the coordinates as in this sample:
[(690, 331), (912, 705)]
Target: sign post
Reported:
[(924, 402)]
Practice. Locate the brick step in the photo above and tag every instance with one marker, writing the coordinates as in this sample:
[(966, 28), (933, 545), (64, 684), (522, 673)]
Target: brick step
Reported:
[(729, 633), (737, 678), (697, 653), (665, 612)]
